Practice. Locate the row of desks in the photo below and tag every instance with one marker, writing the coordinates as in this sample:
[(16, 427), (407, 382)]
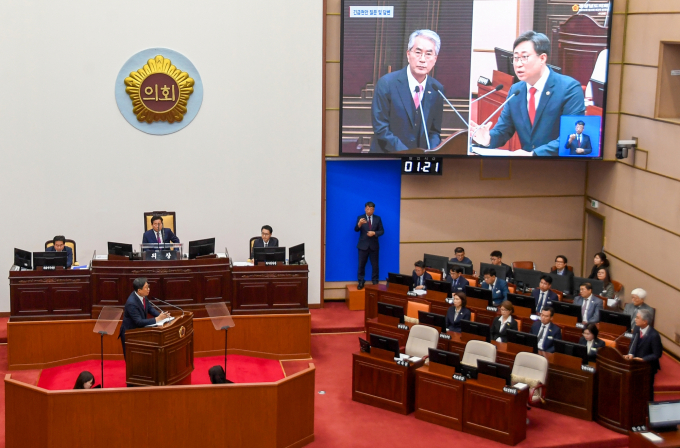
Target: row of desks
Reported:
[(188, 284)]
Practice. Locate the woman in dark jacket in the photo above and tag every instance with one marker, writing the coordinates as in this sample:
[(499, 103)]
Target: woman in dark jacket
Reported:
[(503, 322), (85, 380), (457, 312), (590, 340), (217, 375), (600, 262)]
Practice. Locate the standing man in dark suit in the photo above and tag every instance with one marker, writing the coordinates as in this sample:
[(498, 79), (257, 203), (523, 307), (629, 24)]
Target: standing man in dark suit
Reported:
[(157, 234), (542, 97), (646, 345), (371, 228), (543, 295), (420, 275), (265, 239), (137, 308), (455, 277), (546, 330), (579, 143), (59, 245), (402, 97)]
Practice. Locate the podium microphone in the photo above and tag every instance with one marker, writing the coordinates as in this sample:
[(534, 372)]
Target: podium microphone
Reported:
[(498, 87), (169, 304), (495, 112), (451, 105), (422, 115)]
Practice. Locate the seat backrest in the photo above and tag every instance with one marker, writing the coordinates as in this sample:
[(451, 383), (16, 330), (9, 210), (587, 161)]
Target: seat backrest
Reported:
[(554, 268), (420, 339), (413, 307), (560, 294), (609, 343), (169, 220), (511, 289), (472, 317), (69, 243), (435, 273), (618, 288), (524, 265), (472, 282), (530, 366), (475, 350)]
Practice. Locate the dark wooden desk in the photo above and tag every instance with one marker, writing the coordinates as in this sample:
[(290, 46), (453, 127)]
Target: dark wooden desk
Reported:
[(381, 382), (670, 439), (277, 289), (439, 398), (486, 106), (570, 390), (49, 295)]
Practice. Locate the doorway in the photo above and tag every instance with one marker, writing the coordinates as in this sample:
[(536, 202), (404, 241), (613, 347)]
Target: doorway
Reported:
[(593, 239)]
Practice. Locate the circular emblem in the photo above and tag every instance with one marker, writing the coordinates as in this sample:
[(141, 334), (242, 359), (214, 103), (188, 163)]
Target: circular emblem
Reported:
[(182, 332), (575, 8), (159, 91)]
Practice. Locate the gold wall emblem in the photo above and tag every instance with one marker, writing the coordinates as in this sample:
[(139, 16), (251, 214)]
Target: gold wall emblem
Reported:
[(182, 332), (159, 91)]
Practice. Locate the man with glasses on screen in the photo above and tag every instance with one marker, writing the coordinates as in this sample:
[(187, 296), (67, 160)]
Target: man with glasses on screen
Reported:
[(402, 97), (543, 96)]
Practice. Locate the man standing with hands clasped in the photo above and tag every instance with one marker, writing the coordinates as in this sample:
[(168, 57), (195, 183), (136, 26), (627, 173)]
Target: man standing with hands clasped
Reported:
[(370, 226)]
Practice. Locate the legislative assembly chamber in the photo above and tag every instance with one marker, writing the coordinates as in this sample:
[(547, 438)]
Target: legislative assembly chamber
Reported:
[(340, 223)]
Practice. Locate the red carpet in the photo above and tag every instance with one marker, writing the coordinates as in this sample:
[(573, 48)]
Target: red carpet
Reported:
[(335, 317), (668, 378), (3, 329), (240, 369)]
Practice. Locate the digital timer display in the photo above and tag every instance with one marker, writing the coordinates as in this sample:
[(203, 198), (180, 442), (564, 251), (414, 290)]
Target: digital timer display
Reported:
[(422, 165)]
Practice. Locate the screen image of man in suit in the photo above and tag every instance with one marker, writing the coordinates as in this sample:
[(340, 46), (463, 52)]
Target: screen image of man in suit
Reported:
[(646, 345), (402, 97), (579, 143), (542, 97), (59, 245), (157, 234), (265, 239), (371, 228), (137, 308)]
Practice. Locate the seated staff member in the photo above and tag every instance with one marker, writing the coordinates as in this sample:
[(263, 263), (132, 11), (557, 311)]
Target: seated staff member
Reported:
[(137, 307), (546, 330), (497, 260), (543, 295), (503, 322), (455, 277), (59, 245), (420, 275), (600, 260), (157, 234), (217, 375), (84, 381), (590, 305), (638, 296), (498, 287), (459, 311), (460, 256), (646, 345), (608, 292), (560, 268), (590, 340), (265, 239)]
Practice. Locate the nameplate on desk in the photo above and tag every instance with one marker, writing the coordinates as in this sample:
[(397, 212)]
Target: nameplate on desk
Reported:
[(586, 368), (628, 335), (459, 377), (403, 327), (444, 336), (580, 325), (638, 428), (510, 390), (49, 268), (402, 362), (449, 301), (161, 255), (492, 308), (411, 294)]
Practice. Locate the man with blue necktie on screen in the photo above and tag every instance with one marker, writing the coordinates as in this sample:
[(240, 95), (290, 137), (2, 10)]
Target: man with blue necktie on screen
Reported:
[(402, 97), (542, 97), (579, 143), (157, 234)]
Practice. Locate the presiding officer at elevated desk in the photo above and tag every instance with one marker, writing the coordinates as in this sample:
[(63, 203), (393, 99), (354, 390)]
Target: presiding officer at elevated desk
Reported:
[(546, 330), (543, 96), (646, 345), (265, 239), (59, 245), (137, 307), (498, 286), (158, 234)]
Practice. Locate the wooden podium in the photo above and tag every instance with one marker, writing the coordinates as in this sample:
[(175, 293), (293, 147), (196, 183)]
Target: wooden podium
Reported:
[(623, 390), (160, 356)]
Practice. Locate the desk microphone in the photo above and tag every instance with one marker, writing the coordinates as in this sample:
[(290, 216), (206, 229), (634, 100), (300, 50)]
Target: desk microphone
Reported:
[(495, 112), (451, 105), (169, 304), (422, 115), (498, 87)]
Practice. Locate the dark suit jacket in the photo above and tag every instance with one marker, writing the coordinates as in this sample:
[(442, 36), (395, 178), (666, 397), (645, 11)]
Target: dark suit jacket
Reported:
[(69, 255), (585, 145), (554, 332), (273, 242), (369, 242), (396, 124), (597, 344), (453, 324), (550, 297), (166, 234), (496, 329), (561, 95), (459, 285), (648, 348), (508, 272), (135, 314), (499, 292), (426, 276)]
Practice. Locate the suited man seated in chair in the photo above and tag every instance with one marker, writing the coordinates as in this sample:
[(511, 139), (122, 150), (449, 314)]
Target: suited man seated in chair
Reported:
[(455, 277), (498, 286), (137, 308), (579, 143), (420, 275), (546, 330), (543, 295), (590, 305), (560, 268), (158, 234), (540, 98), (59, 245), (646, 345), (265, 239)]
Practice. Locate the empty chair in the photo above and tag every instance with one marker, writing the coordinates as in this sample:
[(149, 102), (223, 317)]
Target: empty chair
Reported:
[(420, 339), (475, 350), (524, 265), (412, 308), (435, 273), (531, 370)]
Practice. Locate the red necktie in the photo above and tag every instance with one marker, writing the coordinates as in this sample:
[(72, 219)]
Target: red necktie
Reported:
[(144, 304), (416, 99), (532, 104), (641, 334), (158, 238)]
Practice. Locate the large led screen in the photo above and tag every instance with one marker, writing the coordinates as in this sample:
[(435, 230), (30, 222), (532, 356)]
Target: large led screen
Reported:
[(506, 78)]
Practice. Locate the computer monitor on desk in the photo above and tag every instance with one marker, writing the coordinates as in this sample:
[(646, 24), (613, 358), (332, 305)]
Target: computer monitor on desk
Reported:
[(122, 249), (479, 293), (572, 349), (568, 309), (296, 254), (501, 271), (504, 62), (22, 258), (494, 369), (522, 338), (435, 261), (561, 283), (476, 328), (49, 259), (598, 285), (400, 279), (528, 277), (385, 343), (523, 301), (387, 309), (269, 255), (467, 268), (612, 317), (438, 285), (200, 248), (443, 357), (664, 415), (433, 320)]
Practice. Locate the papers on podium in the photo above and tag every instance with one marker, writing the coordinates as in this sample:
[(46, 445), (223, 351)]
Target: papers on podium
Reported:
[(499, 152), (164, 321)]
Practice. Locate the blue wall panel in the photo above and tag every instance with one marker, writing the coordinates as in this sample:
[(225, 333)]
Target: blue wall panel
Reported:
[(349, 185)]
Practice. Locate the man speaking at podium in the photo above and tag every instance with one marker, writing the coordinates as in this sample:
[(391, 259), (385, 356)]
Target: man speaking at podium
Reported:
[(137, 308), (157, 234)]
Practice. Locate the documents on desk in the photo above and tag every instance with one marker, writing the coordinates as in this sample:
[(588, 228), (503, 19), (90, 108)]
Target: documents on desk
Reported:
[(164, 321), (243, 263), (420, 292), (651, 436)]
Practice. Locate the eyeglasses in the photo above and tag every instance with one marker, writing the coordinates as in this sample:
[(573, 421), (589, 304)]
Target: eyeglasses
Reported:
[(265, 234), (524, 58), (419, 54)]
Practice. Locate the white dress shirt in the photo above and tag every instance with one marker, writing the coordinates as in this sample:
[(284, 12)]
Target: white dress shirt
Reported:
[(540, 85), (141, 299), (412, 83), (503, 323), (545, 335)]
